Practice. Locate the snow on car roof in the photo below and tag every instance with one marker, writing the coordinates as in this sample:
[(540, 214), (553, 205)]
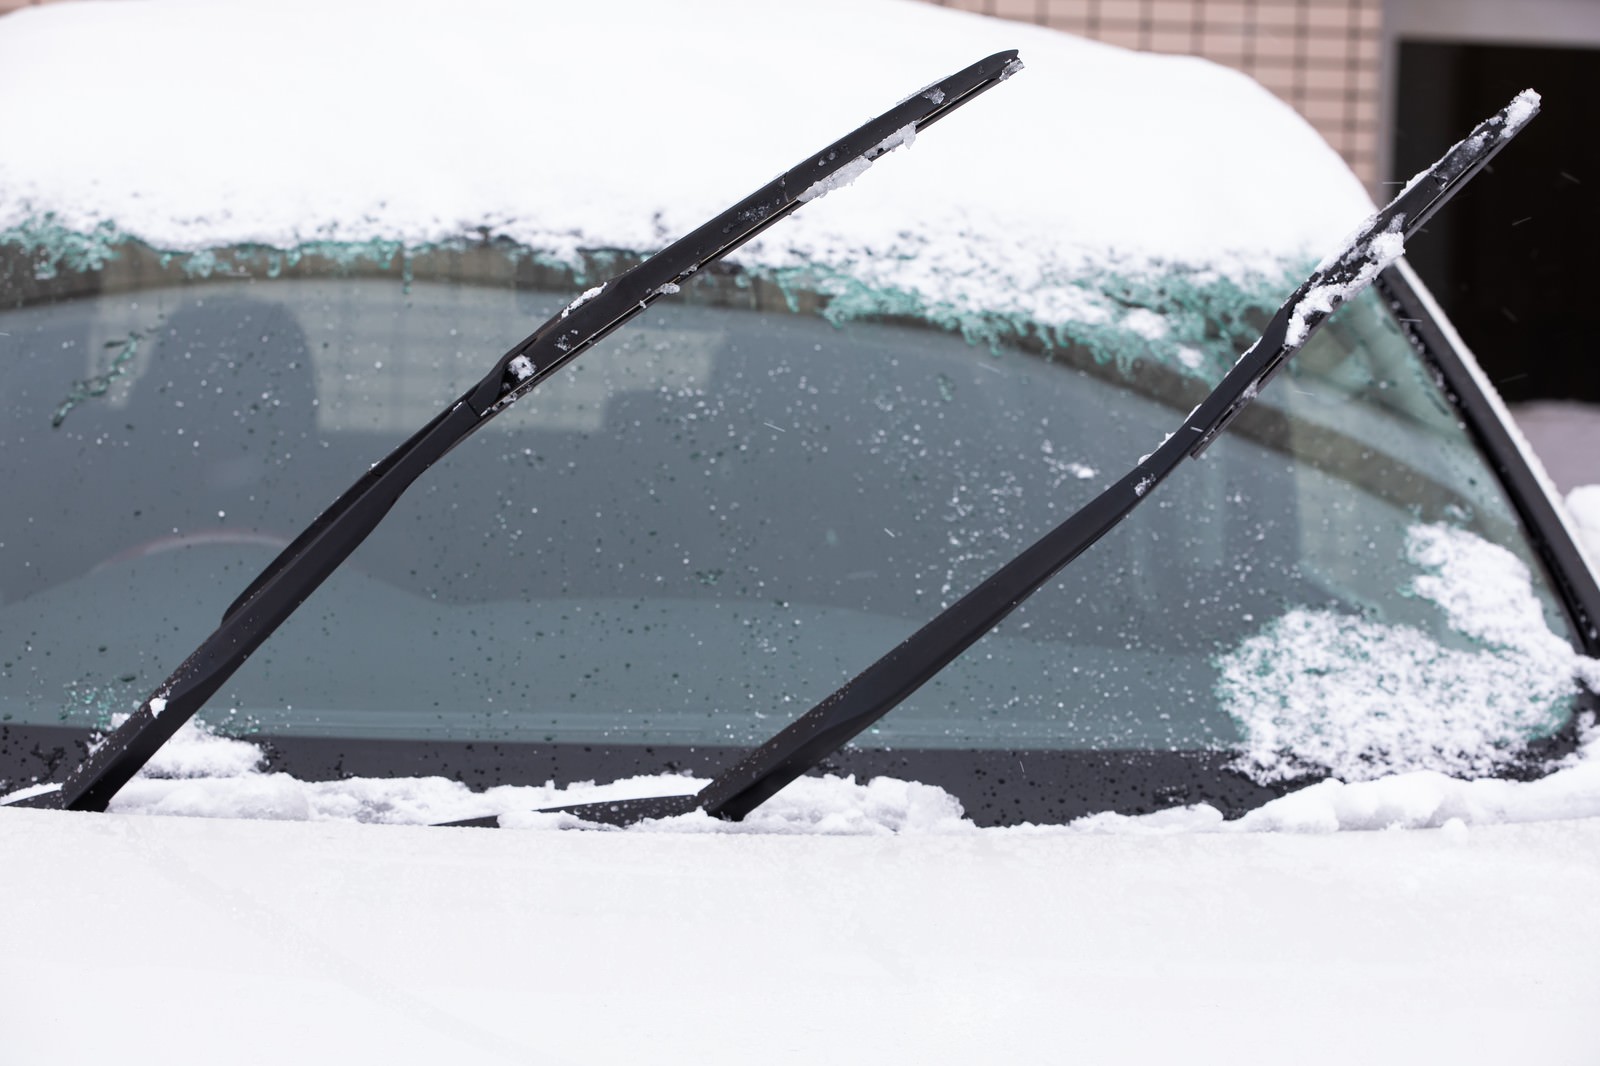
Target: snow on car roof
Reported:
[(196, 125)]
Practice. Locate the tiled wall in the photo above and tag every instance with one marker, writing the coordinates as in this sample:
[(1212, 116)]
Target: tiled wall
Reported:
[(1321, 56)]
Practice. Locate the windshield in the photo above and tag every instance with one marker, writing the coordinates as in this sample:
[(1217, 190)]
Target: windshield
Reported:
[(692, 534)]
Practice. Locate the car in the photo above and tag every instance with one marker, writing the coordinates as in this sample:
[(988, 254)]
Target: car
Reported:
[(691, 536), (773, 476)]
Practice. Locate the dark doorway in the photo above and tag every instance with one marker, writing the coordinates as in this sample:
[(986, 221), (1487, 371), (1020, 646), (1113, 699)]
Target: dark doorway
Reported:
[(1513, 259)]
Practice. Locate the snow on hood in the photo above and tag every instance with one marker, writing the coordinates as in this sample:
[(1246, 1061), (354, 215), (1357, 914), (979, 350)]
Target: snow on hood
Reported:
[(203, 774), (194, 125)]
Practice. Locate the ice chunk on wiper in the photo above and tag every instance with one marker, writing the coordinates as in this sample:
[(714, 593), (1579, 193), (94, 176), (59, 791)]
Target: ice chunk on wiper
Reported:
[(858, 166)]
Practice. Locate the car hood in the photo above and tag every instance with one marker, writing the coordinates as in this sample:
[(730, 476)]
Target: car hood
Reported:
[(257, 941)]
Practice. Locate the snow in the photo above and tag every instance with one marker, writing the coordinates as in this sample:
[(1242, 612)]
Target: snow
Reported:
[(199, 751), (1415, 916), (888, 927), (847, 174), (1376, 254), (1322, 690), (1583, 504), (1566, 436), (1145, 323), (1522, 108), (1380, 250), (200, 773), (1428, 799), (584, 297), (184, 941), (521, 367), (1049, 179)]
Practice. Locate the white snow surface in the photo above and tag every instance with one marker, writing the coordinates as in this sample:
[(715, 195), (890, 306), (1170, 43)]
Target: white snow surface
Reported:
[(1583, 506), (187, 941), (355, 120)]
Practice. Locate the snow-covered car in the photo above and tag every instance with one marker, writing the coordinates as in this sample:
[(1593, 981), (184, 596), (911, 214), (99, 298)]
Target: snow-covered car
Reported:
[(771, 477)]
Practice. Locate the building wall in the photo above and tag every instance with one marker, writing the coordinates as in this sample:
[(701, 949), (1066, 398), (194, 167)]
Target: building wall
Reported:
[(1322, 57), (1551, 23)]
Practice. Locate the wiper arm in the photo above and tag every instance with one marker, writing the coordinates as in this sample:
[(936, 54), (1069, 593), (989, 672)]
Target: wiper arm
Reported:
[(878, 689), (297, 572)]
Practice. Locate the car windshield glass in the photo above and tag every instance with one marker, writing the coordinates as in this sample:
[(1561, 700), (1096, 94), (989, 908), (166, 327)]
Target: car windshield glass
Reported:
[(692, 534)]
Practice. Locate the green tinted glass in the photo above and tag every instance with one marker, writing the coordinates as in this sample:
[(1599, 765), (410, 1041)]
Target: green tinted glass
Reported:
[(706, 525)]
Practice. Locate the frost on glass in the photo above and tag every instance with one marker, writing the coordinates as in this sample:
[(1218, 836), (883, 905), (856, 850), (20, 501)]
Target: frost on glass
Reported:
[(1193, 319), (51, 249)]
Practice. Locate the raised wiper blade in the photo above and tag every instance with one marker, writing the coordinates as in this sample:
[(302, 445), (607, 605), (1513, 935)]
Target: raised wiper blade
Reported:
[(297, 572), (878, 689)]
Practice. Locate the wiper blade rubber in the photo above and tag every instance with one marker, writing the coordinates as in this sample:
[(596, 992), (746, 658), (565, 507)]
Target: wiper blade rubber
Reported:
[(878, 689), (308, 561)]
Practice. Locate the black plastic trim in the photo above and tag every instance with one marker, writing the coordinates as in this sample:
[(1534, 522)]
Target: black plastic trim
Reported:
[(995, 787)]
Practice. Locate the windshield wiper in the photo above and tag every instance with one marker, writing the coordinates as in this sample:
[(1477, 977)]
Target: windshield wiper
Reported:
[(274, 595), (878, 689)]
